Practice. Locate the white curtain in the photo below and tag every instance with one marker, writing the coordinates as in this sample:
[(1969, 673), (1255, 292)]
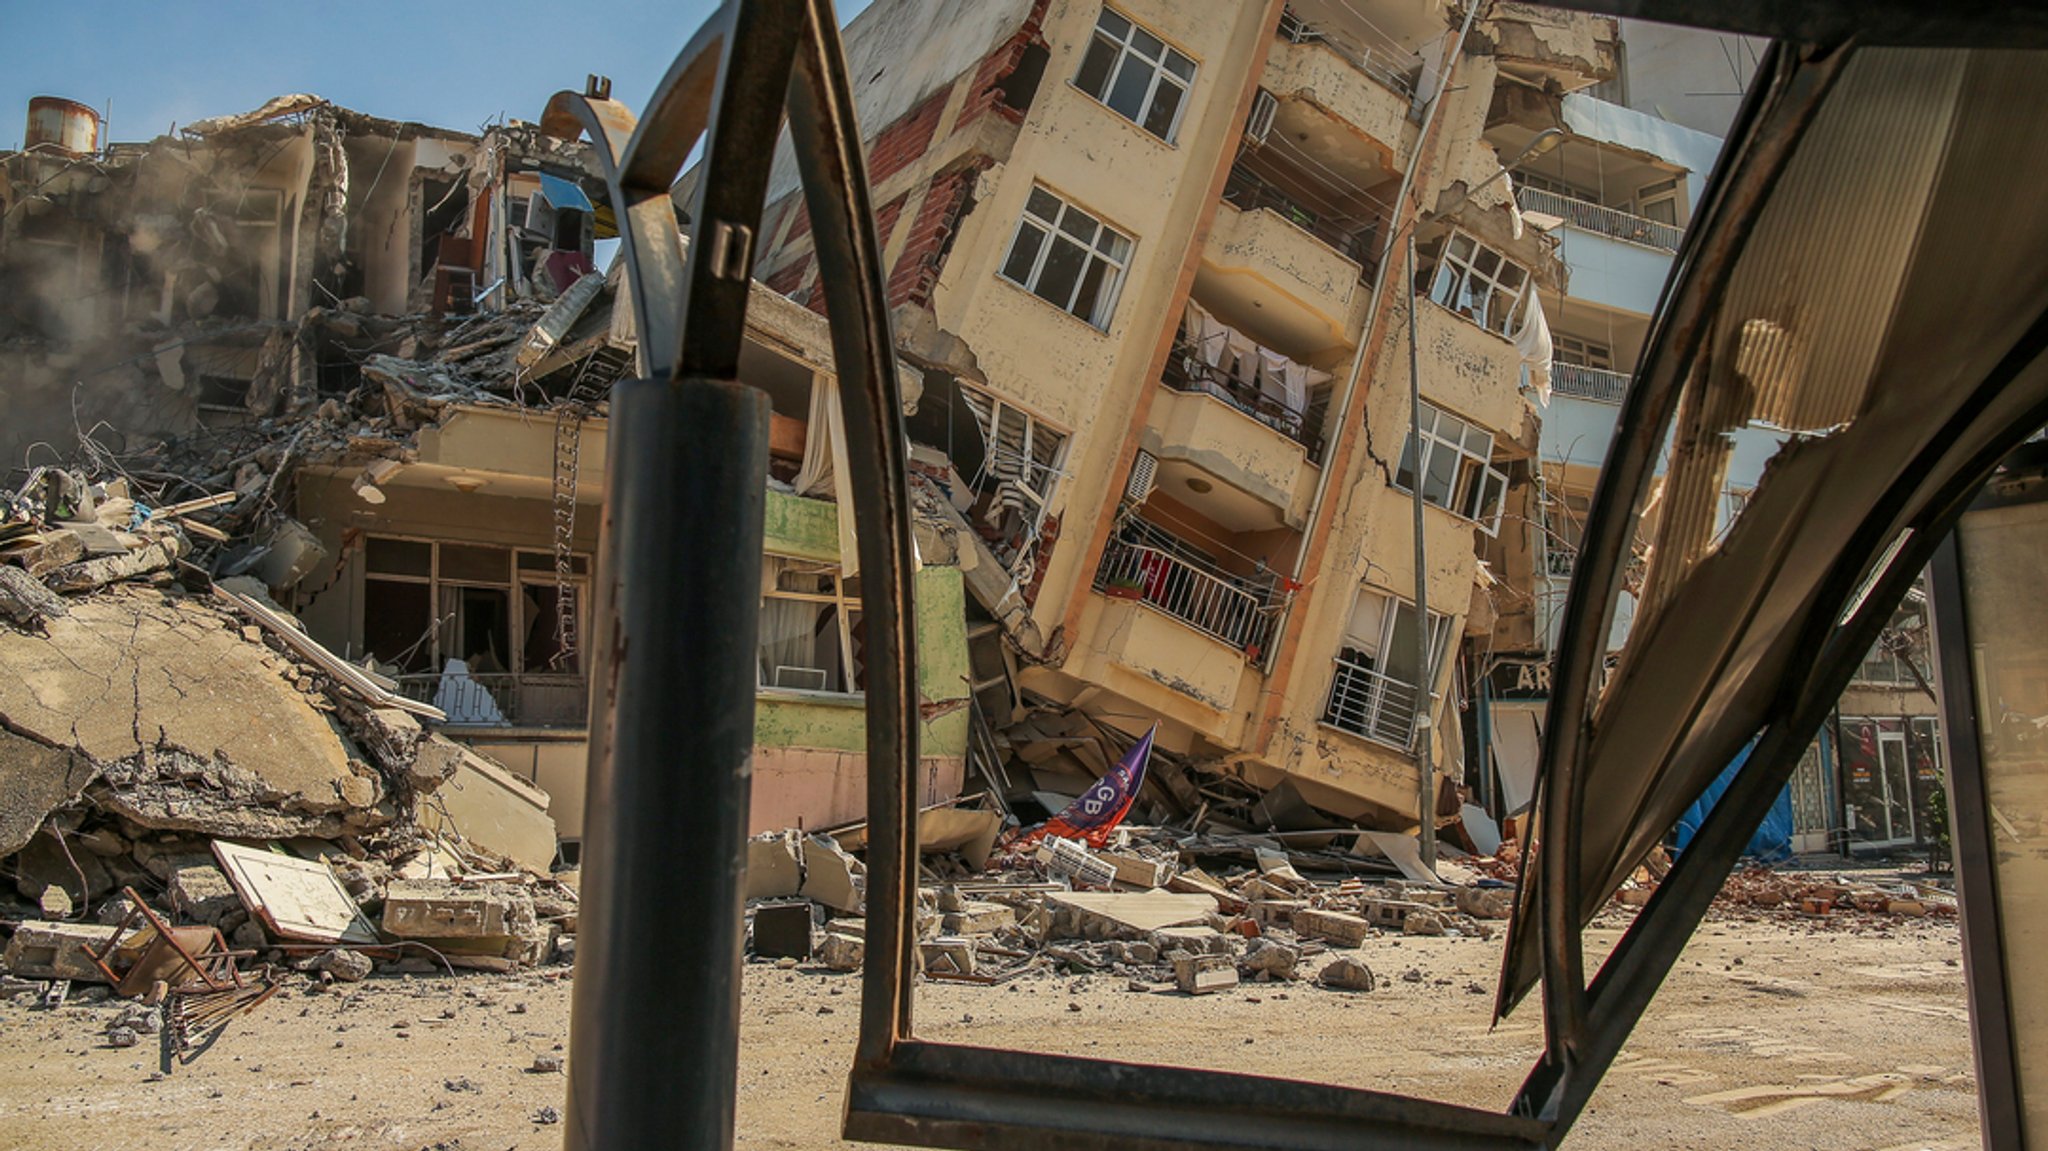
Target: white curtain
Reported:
[(824, 471), (788, 626)]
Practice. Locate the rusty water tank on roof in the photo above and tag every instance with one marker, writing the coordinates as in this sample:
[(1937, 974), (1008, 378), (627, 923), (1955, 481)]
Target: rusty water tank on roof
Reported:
[(62, 125)]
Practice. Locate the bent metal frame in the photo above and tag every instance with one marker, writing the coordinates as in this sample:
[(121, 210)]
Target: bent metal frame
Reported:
[(654, 1038)]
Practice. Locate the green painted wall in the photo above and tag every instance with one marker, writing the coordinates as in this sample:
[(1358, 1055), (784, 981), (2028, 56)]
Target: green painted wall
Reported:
[(806, 529), (792, 719)]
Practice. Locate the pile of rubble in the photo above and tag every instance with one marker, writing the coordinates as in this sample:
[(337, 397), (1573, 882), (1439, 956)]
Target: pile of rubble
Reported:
[(1143, 910), (189, 783)]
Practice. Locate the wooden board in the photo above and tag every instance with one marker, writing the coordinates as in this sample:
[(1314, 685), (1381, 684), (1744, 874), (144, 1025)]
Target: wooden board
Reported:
[(294, 898)]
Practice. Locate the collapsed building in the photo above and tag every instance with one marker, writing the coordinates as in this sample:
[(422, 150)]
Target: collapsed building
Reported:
[(1154, 327)]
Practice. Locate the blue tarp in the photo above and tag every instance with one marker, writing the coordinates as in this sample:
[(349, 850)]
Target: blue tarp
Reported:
[(1773, 838), (563, 194)]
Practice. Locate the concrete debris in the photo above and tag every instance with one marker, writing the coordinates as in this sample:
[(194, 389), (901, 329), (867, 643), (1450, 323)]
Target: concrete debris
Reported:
[(42, 949), (1346, 973), (842, 952), (344, 966), (1202, 974)]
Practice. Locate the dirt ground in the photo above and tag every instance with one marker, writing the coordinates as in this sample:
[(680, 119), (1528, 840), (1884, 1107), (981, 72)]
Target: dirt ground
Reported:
[(1771, 1034)]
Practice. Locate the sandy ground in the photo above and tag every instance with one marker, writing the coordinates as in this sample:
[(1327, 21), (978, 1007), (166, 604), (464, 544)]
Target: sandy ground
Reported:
[(1771, 1034)]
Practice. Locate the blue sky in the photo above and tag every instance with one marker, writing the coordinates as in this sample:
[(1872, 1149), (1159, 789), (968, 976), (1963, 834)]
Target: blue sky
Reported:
[(454, 65)]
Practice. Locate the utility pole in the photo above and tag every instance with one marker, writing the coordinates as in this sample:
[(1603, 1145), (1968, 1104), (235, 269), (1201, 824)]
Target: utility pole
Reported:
[(1425, 770)]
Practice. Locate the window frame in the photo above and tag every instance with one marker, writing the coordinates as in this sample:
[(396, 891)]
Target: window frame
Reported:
[(1454, 276), (1109, 294), (515, 615), (1467, 466), (846, 605), (1374, 661), (1124, 49)]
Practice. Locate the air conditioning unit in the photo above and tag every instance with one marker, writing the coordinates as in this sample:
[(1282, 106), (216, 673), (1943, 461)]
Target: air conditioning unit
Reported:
[(800, 678), (1259, 124), (1144, 473)]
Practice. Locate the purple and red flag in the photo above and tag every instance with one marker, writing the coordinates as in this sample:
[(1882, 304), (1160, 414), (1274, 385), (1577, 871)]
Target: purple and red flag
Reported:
[(1099, 809)]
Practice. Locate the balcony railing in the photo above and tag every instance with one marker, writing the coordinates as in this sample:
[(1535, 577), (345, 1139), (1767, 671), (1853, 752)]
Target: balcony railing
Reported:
[(1227, 608), (503, 700), (1589, 383), (1372, 704), (1391, 66), (1354, 237), (1187, 371), (1599, 218)]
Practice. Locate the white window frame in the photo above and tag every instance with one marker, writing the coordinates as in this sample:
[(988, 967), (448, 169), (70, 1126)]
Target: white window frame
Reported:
[(1584, 353), (1166, 69), (1473, 477), (838, 598), (1463, 283), (1108, 245), (1658, 193), (1371, 659)]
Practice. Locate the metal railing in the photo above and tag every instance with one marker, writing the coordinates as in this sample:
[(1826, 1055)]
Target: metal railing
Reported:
[(1372, 704), (1354, 237), (1599, 218), (1219, 605), (1559, 560), (1187, 371), (1588, 383), (503, 699), (1393, 67)]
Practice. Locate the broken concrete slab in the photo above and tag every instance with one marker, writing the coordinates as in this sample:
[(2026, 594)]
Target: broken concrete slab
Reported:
[(1099, 914), (949, 955), (35, 779), (1405, 851), (774, 865), (978, 918), (494, 811), (842, 952), (1348, 973), (1202, 974), (1335, 926), (203, 894), (42, 949), (1137, 871), (25, 600), (192, 727), (831, 876), (438, 909)]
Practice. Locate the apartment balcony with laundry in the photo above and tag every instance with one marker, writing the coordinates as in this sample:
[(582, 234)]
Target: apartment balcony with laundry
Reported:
[(1237, 430)]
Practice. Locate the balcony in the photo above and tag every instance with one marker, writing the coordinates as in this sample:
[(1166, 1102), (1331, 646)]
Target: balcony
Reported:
[(1351, 236), (1600, 220), (503, 700), (1585, 383), (1392, 67), (1187, 372), (1371, 704), (1146, 566)]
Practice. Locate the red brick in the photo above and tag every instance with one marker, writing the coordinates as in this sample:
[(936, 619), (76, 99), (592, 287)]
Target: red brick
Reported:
[(906, 139)]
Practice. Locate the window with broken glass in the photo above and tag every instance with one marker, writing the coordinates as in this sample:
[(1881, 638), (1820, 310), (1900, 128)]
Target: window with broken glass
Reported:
[(1006, 464), (1136, 74), (475, 629), (1457, 468), (1068, 258), (1479, 284), (1377, 684), (810, 627)]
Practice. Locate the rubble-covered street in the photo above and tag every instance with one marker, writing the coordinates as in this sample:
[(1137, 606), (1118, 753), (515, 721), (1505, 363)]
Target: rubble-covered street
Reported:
[(1772, 1033)]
